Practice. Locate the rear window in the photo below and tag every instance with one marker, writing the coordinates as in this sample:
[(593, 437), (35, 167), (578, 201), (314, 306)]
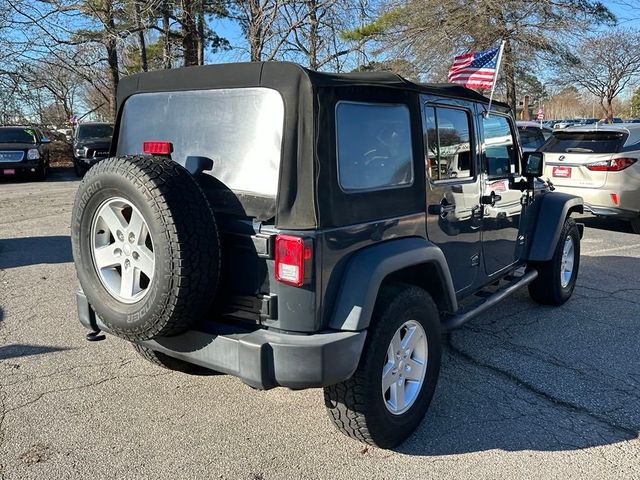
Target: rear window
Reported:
[(531, 137), (17, 135), (239, 129), (584, 142)]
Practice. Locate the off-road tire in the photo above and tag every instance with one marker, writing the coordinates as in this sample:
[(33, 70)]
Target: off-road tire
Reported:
[(168, 362), (186, 245), (547, 288), (356, 406)]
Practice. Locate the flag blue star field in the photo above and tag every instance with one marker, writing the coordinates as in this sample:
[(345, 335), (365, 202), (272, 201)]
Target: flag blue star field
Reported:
[(476, 69)]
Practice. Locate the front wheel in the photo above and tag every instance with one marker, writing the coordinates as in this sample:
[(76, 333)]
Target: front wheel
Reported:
[(390, 392), (557, 277)]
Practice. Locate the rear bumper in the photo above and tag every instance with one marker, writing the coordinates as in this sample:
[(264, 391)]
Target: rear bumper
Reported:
[(610, 211), (599, 201), (260, 358)]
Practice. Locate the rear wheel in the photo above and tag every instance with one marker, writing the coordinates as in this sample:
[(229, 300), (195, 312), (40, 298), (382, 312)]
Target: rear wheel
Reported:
[(557, 277), (390, 392)]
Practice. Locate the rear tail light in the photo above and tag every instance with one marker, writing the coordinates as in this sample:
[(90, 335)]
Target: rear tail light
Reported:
[(613, 165), (157, 148), (293, 260)]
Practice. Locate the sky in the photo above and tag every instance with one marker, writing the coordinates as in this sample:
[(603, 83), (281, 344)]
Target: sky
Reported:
[(628, 17)]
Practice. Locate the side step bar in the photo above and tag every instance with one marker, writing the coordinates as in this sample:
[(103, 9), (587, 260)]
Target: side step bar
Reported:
[(460, 319)]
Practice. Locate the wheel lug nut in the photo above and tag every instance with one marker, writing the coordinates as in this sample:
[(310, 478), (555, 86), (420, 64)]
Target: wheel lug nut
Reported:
[(127, 264), (132, 237), (117, 252), (135, 255), (120, 235)]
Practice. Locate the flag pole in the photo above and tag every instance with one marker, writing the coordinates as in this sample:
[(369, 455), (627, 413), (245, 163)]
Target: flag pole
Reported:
[(495, 79)]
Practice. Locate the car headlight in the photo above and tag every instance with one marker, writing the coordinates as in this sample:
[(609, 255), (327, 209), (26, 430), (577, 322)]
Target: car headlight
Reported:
[(33, 154)]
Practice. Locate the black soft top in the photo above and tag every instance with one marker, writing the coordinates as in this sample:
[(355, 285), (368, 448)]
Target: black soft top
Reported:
[(254, 74), (297, 204)]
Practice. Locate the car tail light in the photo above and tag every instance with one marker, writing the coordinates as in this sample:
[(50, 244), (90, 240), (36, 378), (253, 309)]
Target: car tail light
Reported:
[(293, 260), (157, 148), (613, 165)]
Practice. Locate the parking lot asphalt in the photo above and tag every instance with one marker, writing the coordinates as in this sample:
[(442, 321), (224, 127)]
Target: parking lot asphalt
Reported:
[(525, 391)]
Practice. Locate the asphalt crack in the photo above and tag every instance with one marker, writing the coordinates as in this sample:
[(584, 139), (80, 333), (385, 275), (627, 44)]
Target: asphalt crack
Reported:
[(41, 395), (631, 433)]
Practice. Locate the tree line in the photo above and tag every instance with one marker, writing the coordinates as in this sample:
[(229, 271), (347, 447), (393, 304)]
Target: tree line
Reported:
[(64, 57)]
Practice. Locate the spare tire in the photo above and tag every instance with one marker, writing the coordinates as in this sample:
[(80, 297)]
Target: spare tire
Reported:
[(145, 245)]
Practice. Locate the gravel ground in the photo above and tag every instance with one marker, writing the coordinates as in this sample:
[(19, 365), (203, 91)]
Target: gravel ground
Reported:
[(525, 391)]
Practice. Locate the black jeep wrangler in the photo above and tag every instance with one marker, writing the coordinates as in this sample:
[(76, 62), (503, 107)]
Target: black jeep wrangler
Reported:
[(304, 229)]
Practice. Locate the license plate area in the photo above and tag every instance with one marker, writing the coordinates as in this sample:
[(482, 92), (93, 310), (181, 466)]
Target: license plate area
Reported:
[(561, 172), (9, 171)]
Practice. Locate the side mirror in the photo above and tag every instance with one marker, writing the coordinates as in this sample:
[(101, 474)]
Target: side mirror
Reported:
[(534, 164), (45, 140)]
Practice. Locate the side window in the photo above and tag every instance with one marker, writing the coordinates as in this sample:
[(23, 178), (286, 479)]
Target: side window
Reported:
[(374, 146), (500, 153), (447, 143)]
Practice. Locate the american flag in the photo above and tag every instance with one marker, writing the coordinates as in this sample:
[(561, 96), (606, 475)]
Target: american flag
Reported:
[(476, 69)]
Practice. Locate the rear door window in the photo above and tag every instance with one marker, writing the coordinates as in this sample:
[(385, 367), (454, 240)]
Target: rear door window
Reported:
[(239, 129), (374, 146), (584, 142)]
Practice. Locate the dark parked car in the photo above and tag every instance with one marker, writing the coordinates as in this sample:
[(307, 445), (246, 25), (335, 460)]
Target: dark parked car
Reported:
[(24, 150), (91, 142), (289, 227)]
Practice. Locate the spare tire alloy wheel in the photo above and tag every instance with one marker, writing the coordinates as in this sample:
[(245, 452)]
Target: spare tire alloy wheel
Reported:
[(146, 246), (122, 250)]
